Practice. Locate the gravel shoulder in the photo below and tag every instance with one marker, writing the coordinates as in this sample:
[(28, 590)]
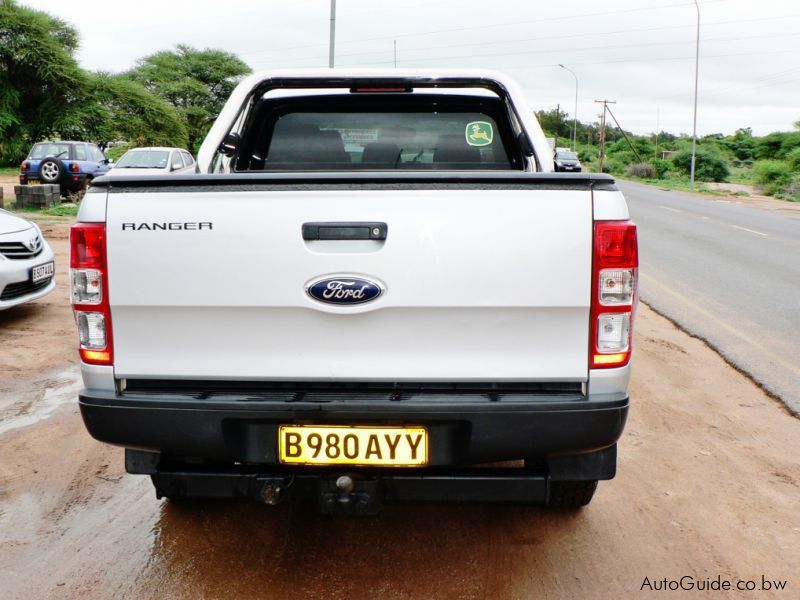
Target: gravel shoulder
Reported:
[(708, 485)]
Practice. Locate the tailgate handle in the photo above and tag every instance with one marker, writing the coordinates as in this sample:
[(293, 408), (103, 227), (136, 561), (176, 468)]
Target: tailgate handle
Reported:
[(345, 231)]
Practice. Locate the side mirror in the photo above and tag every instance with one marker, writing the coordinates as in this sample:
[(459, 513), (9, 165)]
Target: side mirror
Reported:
[(230, 144)]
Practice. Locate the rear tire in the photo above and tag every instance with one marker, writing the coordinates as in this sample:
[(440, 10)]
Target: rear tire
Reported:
[(571, 495), (77, 195), (51, 171)]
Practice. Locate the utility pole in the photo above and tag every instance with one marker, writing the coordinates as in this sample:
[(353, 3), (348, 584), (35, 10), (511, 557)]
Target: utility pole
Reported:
[(558, 124), (696, 77), (605, 104), (332, 34), (658, 115)]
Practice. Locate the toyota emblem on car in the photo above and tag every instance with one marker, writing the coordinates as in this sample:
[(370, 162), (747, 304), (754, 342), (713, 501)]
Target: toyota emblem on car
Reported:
[(344, 289)]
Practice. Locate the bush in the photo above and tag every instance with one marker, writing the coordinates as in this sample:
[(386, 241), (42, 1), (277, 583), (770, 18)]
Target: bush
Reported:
[(612, 165), (777, 145), (709, 164), (791, 191), (662, 167), (772, 175), (793, 158), (643, 170), (587, 156)]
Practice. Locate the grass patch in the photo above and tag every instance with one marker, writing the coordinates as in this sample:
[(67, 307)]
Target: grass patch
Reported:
[(677, 184), (9, 170), (66, 209), (741, 175)]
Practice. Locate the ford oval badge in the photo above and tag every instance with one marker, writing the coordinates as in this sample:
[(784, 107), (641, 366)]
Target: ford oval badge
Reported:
[(344, 290)]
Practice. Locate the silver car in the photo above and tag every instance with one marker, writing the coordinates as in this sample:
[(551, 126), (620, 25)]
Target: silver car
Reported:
[(27, 263), (154, 161)]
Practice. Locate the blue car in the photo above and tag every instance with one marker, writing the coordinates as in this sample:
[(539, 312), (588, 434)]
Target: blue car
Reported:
[(72, 165)]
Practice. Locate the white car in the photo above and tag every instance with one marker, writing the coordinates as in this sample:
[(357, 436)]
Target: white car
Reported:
[(375, 282), (27, 263), (154, 161)]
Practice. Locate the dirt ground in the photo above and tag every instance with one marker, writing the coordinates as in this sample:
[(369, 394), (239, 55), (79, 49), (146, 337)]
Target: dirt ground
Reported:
[(708, 486), (38, 338), (7, 183)]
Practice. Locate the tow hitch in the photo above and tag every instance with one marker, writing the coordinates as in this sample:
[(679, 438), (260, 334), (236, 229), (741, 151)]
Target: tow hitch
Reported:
[(348, 496)]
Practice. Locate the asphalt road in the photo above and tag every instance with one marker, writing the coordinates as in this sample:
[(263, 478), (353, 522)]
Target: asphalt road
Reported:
[(727, 273)]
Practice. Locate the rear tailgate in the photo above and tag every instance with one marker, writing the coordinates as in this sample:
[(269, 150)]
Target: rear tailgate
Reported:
[(488, 284)]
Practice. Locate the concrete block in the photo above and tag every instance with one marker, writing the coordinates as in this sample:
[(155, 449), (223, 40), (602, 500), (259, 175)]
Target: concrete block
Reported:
[(37, 196)]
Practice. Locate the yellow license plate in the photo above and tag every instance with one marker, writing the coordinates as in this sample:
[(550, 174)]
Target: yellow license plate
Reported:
[(34, 182), (346, 445)]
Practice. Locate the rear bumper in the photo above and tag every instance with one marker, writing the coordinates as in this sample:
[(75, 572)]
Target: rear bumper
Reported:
[(70, 182), (464, 429)]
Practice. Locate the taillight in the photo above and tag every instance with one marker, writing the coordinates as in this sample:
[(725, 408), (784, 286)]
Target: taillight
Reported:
[(615, 273), (89, 292), (74, 168), (23, 167)]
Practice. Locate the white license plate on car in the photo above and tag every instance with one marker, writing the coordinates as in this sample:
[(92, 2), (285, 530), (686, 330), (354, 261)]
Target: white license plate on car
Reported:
[(41, 272)]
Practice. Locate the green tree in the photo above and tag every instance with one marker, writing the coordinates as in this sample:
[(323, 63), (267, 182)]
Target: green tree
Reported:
[(196, 82), (39, 78), (44, 92), (121, 109), (742, 144)]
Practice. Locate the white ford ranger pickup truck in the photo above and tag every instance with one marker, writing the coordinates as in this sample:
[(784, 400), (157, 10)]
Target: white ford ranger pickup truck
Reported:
[(375, 288)]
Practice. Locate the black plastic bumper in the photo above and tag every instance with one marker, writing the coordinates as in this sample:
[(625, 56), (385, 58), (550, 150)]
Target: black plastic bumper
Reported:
[(463, 430)]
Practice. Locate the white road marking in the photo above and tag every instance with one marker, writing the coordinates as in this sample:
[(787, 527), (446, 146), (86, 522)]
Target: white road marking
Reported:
[(750, 230), (670, 208)]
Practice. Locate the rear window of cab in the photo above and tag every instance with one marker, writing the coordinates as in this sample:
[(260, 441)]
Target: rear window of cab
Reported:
[(362, 132)]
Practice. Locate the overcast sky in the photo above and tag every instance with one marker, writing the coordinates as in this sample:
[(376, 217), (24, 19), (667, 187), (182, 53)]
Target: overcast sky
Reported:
[(637, 52)]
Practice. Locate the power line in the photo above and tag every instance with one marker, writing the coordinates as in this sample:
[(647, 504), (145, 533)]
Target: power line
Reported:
[(545, 38), (488, 26), (625, 60), (720, 89), (589, 48)]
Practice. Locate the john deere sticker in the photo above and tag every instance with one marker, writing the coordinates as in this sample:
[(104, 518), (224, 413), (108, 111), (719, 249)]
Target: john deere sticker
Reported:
[(479, 133)]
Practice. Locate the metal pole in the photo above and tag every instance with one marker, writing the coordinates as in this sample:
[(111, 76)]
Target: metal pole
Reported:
[(696, 77), (658, 115), (558, 123), (333, 34), (575, 116)]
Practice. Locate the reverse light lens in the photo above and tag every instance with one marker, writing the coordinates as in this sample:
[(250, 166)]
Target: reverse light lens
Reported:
[(613, 332), (92, 330), (86, 286), (616, 287)]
